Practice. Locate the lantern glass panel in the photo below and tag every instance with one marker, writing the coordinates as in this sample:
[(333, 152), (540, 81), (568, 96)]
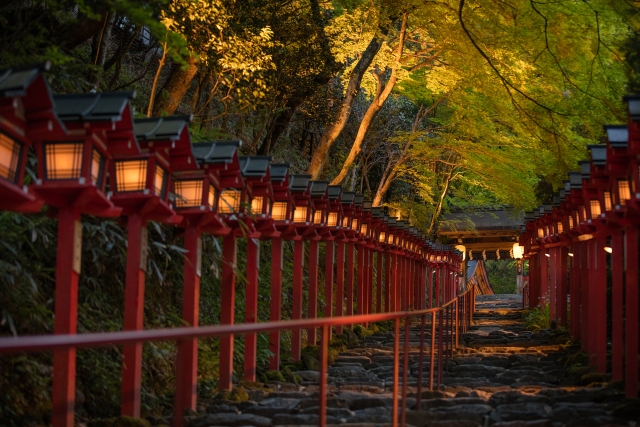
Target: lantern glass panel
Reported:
[(383, 236), (607, 200), (317, 217), (212, 197), (10, 151), (624, 192), (300, 214), (364, 229), (345, 222), (229, 201), (63, 160), (332, 220), (131, 175), (582, 213), (256, 204), (160, 182), (570, 221), (354, 224), (540, 233), (279, 211), (188, 193), (559, 228), (97, 167), (594, 206)]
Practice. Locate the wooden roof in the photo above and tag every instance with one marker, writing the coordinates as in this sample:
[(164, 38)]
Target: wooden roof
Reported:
[(488, 230)]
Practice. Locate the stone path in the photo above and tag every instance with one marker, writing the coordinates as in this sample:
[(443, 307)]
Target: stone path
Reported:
[(501, 375)]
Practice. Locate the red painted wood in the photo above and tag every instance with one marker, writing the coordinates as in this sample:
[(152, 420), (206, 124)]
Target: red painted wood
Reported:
[(370, 271), (584, 294), (296, 310), (360, 281), (379, 274), (430, 286), (187, 359), (227, 309), (312, 308), (350, 271), (133, 317), (561, 303), (276, 301), (328, 282), (617, 296), (387, 281), (437, 291), (554, 270), (251, 308), (66, 310), (631, 321), (600, 303), (533, 281), (339, 283), (543, 261), (575, 291)]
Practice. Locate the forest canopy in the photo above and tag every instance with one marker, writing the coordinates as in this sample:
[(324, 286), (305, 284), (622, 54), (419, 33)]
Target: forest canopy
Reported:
[(423, 106)]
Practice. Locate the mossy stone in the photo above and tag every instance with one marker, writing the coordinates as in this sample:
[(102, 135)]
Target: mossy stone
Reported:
[(122, 421), (591, 377)]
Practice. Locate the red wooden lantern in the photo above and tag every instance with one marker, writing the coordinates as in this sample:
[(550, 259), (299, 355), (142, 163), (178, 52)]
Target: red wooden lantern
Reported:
[(281, 215), (71, 179), (222, 157), (140, 184), (26, 115)]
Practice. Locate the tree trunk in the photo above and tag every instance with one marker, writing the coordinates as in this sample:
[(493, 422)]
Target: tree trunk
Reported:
[(101, 49), (375, 106), (445, 190), (280, 125), (78, 31), (332, 131), (175, 87)]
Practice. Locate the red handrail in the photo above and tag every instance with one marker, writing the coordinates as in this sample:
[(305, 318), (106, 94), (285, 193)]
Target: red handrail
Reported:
[(65, 342)]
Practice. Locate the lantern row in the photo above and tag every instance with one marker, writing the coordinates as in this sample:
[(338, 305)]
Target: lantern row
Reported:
[(94, 158), (592, 226)]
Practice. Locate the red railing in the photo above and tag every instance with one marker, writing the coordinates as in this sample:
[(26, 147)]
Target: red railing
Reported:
[(447, 322)]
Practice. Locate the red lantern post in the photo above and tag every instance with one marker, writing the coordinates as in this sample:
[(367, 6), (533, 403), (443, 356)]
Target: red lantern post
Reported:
[(71, 180), (282, 217)]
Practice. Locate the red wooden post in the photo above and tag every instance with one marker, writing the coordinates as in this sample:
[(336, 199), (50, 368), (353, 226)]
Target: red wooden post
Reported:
[(387, 281), (328, 282), (68, 259), (276, 301), (379, 262), (312, 309), (543, 260), (575, 290), (430, 285), (360, 283), (617, 259), (296, 311), (584, 294), (600, 302), (187, 359), (562, 288), (554, 270), (631, 333), (370, 253), (350, 271), (534, 285), (339, 283), (133, 313), (437, 293), (251, 308), (227, 309)]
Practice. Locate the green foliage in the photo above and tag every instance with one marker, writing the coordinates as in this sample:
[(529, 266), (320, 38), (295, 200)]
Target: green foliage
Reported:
[(536, 319), (502, 275)]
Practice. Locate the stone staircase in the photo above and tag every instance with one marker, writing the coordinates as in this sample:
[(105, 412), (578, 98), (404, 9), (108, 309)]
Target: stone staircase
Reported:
[(501, 375)]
